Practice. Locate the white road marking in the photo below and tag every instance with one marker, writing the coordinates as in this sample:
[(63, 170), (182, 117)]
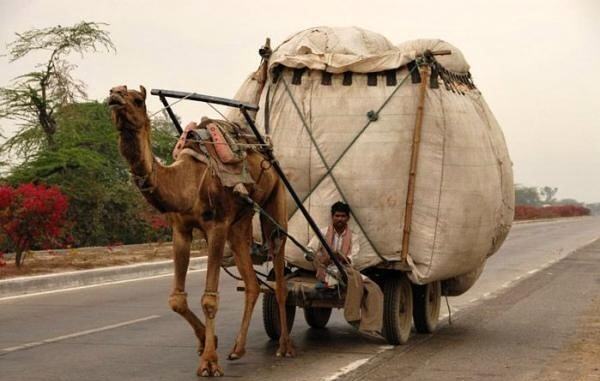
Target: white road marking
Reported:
[(76, 334), (488, 295), (347, 369), (94, 285)]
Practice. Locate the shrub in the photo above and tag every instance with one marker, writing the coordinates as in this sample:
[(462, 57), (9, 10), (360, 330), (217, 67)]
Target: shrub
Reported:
[(527, 212), (32, 216)]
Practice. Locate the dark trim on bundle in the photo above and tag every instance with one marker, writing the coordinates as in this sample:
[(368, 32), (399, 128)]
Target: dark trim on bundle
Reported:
[(390, 78), (347, 79), (453, 81), (371, 79), (297, 77), (326, 78), (276, 73), (415, 76)]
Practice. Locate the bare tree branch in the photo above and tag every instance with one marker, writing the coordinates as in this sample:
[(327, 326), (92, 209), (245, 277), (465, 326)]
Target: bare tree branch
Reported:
[(33, 98)]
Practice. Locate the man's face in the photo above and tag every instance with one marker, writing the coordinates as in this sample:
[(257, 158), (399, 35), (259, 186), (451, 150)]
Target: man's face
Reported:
[(340, 220)]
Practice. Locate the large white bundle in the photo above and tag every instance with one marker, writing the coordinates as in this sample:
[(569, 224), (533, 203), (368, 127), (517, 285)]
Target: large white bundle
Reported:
[(463, 205)]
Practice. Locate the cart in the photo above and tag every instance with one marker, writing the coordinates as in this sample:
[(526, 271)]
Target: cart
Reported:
[(404, 302)]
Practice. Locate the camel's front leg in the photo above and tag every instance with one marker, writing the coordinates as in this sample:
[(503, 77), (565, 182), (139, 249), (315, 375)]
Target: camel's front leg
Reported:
[(182, 238), (240, 239), (209, 362)]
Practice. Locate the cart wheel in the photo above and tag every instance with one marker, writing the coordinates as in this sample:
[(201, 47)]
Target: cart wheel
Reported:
[(270, 312), (317, 317), (427, 299), (397, 309)]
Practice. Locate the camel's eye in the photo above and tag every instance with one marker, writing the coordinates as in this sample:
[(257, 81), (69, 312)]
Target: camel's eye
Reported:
[(138, 102)]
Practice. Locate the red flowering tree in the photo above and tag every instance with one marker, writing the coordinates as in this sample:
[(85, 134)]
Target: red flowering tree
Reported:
[(31, 215)]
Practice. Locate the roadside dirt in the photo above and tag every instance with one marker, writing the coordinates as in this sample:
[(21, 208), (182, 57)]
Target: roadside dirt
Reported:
[(580, 359), (54, 261)]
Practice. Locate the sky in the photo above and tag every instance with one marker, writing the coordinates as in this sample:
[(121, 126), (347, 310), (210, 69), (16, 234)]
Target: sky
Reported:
[(536, 62)]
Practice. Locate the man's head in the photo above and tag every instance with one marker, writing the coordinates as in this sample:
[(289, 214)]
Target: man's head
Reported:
[(340, 214)]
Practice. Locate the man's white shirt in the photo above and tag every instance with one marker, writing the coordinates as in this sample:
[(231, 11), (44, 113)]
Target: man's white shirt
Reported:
[(315, 244)]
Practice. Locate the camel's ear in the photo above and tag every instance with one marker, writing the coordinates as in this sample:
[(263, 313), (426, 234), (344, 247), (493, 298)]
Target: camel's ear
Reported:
[(143, 91)]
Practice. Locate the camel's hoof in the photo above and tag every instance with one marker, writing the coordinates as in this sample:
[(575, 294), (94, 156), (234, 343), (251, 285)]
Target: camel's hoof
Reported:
[(286, 348), (233, 356), (210, 369), (287, 352), (236, 354)]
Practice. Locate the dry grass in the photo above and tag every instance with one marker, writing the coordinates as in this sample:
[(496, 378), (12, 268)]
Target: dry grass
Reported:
[(44, 262)]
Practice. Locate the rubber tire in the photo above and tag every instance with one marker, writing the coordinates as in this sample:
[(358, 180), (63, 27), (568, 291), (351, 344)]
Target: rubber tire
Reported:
[(397, 309), (427, 300), (317, 317), (270, 311)]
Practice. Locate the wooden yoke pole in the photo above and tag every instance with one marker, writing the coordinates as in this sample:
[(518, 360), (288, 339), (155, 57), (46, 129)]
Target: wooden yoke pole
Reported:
[(414, 158)]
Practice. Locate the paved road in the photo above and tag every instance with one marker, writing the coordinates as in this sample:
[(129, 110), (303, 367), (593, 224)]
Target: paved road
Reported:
[(126, 331), (547, 327)]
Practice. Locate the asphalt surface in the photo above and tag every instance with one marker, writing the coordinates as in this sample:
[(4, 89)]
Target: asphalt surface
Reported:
[(522, 334), (126, 331)]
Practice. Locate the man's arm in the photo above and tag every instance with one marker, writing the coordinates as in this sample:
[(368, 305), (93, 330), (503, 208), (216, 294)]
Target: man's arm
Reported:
[(315, 245), (355, 247)]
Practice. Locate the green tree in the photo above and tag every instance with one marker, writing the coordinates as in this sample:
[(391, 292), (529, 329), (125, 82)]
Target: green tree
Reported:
[(85, 163), (33, 98), (526, 195), (594, 208), (164, 137), (548, 193)]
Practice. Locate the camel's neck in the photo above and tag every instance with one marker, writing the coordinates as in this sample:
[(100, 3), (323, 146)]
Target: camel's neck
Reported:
[(148, 173), (136, 149)]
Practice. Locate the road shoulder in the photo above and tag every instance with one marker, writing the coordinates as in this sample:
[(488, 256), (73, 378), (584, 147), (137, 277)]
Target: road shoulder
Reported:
[(545, 327)]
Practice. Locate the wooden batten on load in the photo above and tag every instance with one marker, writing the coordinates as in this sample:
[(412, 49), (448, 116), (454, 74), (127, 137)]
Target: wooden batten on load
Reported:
[(414, 159)]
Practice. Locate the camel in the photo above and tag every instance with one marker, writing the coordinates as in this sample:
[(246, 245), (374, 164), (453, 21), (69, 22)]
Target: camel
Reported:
[(192, 197)]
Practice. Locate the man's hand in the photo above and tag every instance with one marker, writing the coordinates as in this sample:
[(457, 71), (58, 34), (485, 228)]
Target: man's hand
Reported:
[(309, 256), (342, 258)]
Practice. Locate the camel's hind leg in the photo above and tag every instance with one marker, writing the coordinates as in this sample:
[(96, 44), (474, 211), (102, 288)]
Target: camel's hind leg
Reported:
[(276, 208), (240, 239), (182, 239)]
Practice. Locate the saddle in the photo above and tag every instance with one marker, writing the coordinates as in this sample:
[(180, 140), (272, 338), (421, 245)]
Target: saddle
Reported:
[(221, 145)]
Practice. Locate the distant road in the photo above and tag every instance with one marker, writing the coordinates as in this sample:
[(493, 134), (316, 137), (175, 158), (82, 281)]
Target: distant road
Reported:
[(126, 331)]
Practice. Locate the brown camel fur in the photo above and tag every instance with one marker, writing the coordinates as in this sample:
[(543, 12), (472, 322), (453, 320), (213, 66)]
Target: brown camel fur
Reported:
[(193, 198)]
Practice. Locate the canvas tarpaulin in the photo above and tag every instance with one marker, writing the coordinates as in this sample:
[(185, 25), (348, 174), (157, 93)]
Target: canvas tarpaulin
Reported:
[(464, 201)]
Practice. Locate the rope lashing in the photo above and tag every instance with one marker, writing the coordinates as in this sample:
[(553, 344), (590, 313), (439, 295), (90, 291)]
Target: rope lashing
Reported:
[(170, 105), (182, 99), (257, 278), (372, 116), (307, 252)]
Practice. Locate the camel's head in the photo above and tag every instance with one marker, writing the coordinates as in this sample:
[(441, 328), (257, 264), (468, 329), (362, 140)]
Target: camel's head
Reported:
[(128, 108)]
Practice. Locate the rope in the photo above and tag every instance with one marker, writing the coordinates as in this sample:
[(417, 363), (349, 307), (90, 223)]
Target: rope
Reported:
[(372, 117), (251, 145), (218, 112), (184, 98), (308, 253), (449, 311), (172, 104), (257, 278)]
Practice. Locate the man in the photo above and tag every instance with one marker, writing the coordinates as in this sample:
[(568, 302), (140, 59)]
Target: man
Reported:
[(342, 241), (363, 305)]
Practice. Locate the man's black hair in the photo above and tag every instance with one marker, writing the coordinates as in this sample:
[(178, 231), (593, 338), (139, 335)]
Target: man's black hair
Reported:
[(340, 207)]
